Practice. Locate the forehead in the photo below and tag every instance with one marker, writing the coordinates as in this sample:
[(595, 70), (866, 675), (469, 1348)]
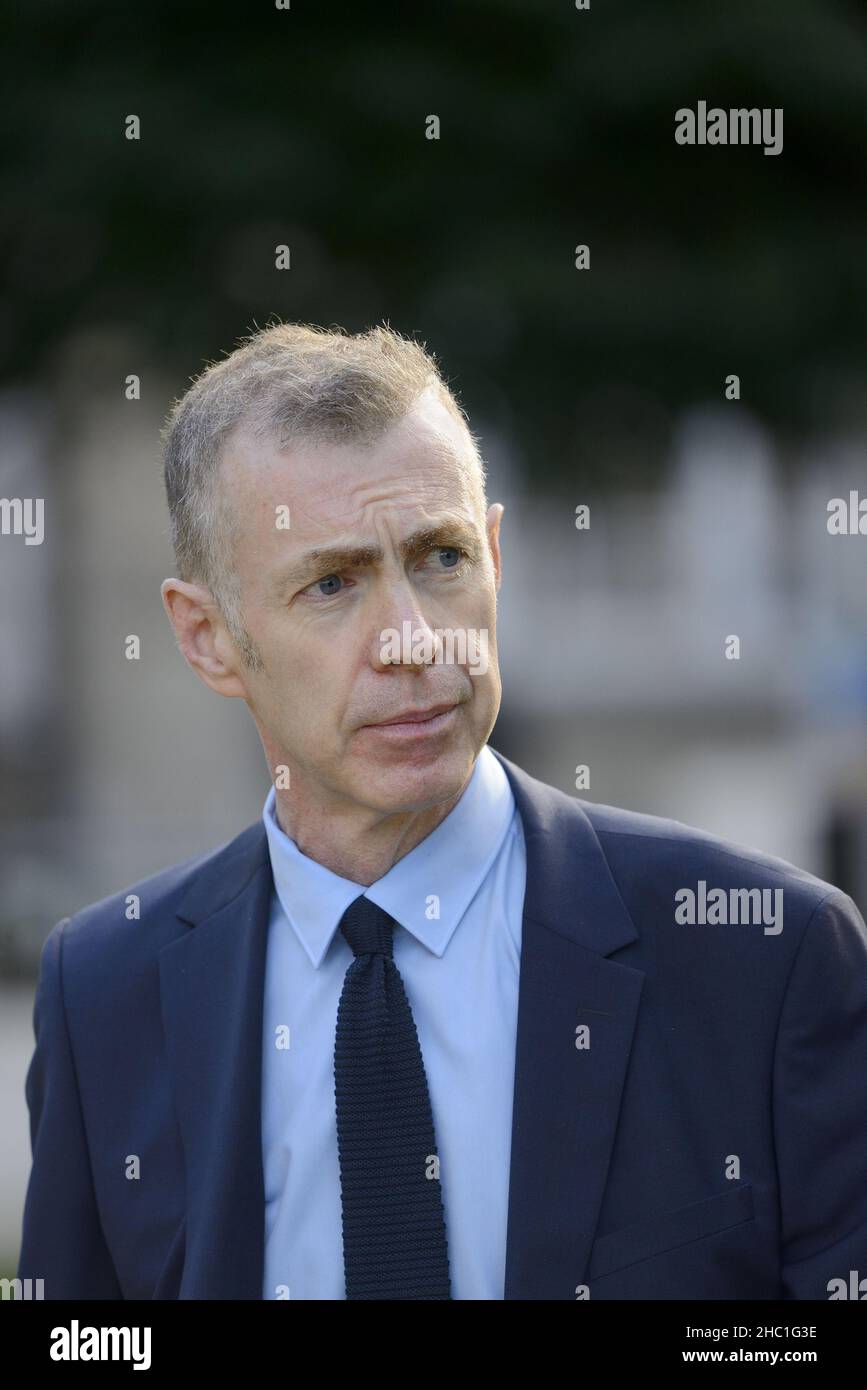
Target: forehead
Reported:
[(426, 459)]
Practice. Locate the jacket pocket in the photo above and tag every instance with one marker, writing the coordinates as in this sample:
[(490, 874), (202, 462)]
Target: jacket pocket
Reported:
[(670, 1229)]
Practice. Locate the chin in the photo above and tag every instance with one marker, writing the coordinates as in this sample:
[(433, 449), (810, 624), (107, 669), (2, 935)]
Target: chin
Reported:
[(414, 780)]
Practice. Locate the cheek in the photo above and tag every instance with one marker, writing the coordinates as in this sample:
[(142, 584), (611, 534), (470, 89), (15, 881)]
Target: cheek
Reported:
[(311, 680)]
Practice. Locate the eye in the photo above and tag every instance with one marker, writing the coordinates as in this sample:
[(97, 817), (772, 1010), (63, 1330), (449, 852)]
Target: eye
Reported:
[(330, 579), (453, 553), (330, 585)]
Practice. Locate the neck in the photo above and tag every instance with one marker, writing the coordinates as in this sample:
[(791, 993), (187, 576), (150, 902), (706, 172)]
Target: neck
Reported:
[(359, 851)]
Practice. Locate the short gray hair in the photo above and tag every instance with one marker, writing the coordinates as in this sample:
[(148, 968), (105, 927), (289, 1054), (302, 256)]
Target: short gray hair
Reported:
[(287, 382)]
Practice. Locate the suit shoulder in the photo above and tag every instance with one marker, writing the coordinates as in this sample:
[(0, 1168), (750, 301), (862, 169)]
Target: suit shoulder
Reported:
[(650, 855), (158, 894), (662, 841)]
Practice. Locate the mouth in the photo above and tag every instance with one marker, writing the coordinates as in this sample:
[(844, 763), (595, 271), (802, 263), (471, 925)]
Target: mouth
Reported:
[(416, 723)]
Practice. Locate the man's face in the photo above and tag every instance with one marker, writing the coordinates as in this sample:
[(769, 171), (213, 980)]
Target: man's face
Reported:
[(328, 682)]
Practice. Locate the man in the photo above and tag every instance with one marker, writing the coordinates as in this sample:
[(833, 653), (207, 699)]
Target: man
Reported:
[(430, 1029)]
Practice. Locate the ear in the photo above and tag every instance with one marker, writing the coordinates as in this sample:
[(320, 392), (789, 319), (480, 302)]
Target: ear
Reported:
[(495, 512), (202, 636)]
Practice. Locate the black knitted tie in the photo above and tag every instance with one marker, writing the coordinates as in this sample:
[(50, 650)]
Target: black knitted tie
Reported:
[(394, 1235)]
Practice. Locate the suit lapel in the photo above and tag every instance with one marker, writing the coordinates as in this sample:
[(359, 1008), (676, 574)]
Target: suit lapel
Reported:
[(566, 1100), (211, 982)]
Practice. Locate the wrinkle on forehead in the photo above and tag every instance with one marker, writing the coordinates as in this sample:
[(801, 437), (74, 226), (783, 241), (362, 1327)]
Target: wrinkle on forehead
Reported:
[(431, 442)]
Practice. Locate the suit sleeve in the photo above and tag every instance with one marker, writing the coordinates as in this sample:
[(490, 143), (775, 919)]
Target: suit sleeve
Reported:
[(820, 1104), (62, 1239)]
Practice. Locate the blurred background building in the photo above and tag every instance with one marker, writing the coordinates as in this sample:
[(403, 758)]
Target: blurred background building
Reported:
[(602, 387)]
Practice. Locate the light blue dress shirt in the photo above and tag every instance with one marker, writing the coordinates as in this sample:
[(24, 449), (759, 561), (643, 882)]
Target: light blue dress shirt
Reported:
[(458, 897)]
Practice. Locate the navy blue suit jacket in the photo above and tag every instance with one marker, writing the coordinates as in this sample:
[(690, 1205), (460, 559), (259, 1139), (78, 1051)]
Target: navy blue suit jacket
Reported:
[(709, 1143)]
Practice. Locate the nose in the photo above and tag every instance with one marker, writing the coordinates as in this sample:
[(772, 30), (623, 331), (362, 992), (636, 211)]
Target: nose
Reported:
[(400, 633)]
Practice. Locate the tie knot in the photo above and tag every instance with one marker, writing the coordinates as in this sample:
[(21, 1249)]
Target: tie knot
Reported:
[(367, 928)]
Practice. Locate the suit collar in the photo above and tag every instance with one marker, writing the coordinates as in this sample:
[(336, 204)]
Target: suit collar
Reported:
[(457, 855), (570, 889), (566, 1099), (224, 875)]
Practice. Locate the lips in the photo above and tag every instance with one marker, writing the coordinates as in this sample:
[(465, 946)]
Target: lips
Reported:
[(415, 716)]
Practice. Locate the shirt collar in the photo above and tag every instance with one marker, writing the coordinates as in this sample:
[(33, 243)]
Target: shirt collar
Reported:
[(427, 891)]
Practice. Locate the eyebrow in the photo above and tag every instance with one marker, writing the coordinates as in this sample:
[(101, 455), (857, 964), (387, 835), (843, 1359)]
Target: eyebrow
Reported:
[(333, 559)]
